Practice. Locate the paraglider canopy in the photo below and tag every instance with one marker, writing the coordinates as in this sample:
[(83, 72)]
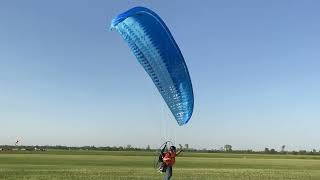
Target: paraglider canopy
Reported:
[(154, 47)]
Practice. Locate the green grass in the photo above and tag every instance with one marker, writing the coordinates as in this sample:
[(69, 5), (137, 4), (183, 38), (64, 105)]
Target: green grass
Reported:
[(86, 165)]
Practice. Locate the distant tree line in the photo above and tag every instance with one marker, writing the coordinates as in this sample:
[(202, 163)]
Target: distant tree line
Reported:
[(226, 149), (60, 147)]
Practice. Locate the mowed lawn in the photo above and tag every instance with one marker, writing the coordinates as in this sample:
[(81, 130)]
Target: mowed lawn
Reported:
[(139, 165)]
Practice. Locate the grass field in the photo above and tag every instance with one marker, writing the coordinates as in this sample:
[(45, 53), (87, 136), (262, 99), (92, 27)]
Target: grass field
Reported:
[(86, 165)]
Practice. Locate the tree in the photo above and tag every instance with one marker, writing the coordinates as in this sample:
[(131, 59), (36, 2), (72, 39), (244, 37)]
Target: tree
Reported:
[(302, 152), (282, 148), (273, 151), (186, 146), (228, 147), (294, 152), (266, 150), (148, 147)]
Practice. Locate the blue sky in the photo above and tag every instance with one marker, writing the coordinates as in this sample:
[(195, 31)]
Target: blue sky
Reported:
[(66, 79)]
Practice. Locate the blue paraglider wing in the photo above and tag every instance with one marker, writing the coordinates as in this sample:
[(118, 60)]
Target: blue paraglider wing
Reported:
[(154, 47)]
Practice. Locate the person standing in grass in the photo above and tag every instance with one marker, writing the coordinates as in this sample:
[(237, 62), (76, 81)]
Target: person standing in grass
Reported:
[(168, 160)]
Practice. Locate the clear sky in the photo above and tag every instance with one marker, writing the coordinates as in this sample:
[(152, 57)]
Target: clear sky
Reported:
[(66, 79)]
